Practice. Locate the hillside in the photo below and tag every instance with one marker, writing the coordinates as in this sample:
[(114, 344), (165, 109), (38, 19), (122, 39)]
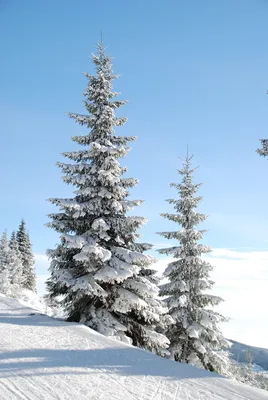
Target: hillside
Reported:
[(43, 358), (258, 354)]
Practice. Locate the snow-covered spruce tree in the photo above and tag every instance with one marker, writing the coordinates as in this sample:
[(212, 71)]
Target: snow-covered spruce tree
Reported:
[(98, 268), (4, 266), (264, 150), (25, 248), (15, 265), (195, 337)]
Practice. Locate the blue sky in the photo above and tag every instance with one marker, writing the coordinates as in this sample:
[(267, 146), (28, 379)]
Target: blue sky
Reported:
[(194, 73)]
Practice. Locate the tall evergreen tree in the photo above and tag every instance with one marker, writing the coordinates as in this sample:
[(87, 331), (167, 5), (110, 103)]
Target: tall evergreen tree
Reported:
[(25, 248), (99, 268), (195, 337)]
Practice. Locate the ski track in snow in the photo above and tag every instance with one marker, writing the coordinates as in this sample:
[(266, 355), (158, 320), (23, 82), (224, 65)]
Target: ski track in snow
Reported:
[(42, 358)]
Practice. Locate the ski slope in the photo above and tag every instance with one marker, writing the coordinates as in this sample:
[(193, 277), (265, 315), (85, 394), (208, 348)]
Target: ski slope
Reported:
[(43, 358)]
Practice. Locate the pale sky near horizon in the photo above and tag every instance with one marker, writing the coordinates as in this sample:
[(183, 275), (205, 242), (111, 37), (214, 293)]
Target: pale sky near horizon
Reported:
[(195, 73)]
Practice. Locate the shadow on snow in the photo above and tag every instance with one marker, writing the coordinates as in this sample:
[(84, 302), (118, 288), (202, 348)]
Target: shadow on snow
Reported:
[(123, 361)]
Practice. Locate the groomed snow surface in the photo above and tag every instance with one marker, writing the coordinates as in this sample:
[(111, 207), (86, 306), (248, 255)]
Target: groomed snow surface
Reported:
[(44, 358)]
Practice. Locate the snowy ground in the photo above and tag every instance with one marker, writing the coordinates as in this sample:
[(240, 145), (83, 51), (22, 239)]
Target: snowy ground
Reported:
[(43, 358)]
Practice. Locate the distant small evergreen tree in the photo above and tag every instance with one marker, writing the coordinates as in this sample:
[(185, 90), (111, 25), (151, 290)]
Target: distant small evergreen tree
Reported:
[(10, 266), (4, 241), (15, 265), (25, 248), (4, 265), (195, 337)]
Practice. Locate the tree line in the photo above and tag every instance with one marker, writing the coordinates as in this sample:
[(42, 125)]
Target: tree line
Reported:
[(17, 270)]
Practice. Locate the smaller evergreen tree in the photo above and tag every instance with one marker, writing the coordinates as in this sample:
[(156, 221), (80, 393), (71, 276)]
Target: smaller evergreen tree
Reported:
[(15, 265), (195, 337), (25, 248), (4, 266), (4, 241)]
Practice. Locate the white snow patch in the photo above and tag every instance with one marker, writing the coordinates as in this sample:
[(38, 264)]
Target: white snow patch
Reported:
[(47, 359)]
